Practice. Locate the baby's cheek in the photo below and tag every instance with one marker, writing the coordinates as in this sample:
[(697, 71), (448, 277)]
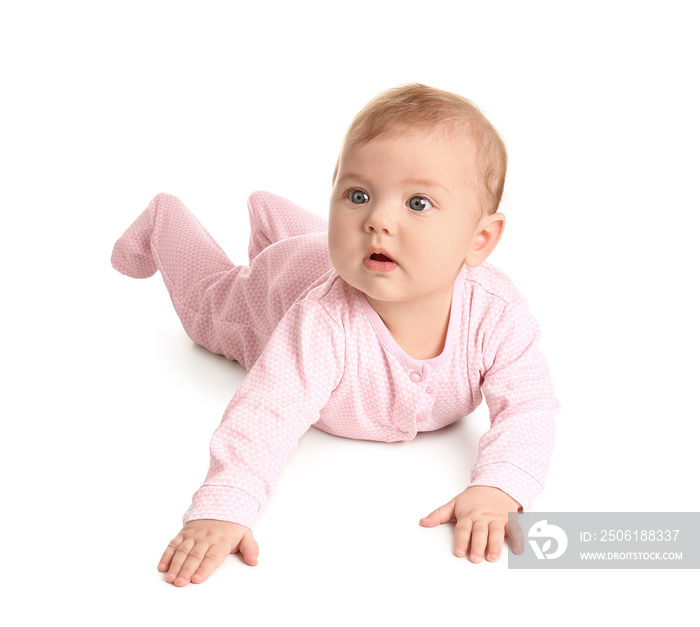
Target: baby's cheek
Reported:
[(338, 255), (338, 241)]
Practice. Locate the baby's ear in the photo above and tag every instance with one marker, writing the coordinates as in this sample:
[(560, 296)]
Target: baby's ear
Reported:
[(487, 235)]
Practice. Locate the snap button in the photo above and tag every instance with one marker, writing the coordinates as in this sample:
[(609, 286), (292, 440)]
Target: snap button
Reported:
[(416, 377)]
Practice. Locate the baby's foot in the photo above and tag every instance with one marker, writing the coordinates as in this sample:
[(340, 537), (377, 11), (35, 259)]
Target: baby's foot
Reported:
[(132, 253)]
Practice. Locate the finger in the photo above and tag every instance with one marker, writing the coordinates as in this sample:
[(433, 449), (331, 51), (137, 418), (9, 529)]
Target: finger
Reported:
[(442, 514), (495, 542), (181, 553), (463, 531), (215, 555), (191, 564), (167, 556), (249, 549), (480, 533), (516, 537)]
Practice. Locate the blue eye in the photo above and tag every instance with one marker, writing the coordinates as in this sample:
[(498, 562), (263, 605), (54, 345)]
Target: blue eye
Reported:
[(357, 197), (418, 203)]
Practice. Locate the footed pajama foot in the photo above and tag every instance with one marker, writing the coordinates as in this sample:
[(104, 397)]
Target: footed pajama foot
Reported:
[(132, 254)]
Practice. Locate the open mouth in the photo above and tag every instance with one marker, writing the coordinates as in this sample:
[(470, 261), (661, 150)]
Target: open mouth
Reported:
[(379, 262)]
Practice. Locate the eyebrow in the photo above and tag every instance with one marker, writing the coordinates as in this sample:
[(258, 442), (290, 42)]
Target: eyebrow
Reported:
[(425, 182)]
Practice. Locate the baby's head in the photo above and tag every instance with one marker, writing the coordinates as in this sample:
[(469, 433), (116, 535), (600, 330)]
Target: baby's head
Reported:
[(416, 107), (419, 176)]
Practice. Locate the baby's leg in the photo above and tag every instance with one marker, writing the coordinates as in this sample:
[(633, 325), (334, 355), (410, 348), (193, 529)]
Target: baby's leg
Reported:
[(157, 240), (273, 219), (230, 310), (201, 280)]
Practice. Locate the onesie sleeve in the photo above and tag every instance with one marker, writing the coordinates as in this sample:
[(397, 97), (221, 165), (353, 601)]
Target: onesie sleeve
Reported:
[(280, 398), (514, 454)]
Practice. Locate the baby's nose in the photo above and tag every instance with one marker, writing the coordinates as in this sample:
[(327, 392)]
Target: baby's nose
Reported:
[(380, 219)]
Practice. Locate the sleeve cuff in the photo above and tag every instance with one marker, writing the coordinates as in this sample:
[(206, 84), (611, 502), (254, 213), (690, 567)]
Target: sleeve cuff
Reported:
[(516, 483), (218, 502)]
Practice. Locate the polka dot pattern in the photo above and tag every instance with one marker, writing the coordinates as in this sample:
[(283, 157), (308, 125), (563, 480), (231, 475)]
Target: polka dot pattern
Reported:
[(318, 354)]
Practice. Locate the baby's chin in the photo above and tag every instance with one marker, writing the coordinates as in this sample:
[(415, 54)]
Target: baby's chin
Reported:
[(382, 293)]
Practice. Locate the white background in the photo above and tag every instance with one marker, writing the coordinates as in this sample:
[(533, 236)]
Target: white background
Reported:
[(108, 407)]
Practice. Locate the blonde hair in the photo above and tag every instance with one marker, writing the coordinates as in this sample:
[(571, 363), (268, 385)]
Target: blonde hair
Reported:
[(414, 106)]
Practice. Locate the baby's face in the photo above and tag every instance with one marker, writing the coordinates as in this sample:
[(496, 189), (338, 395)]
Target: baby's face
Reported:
[(408, 196)]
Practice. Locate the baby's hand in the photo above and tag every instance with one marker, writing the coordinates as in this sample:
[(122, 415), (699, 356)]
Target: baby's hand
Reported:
[(201, 547), (482, 515)]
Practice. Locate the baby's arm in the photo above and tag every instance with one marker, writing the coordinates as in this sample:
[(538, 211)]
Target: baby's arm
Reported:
[(514, 454), (280, 398), (200, 548)]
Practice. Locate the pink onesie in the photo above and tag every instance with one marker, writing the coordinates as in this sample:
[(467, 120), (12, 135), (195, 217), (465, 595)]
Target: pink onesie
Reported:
[(318, 354)]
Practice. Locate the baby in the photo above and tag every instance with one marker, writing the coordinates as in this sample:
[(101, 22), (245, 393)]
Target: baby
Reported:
[(378, 325)]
